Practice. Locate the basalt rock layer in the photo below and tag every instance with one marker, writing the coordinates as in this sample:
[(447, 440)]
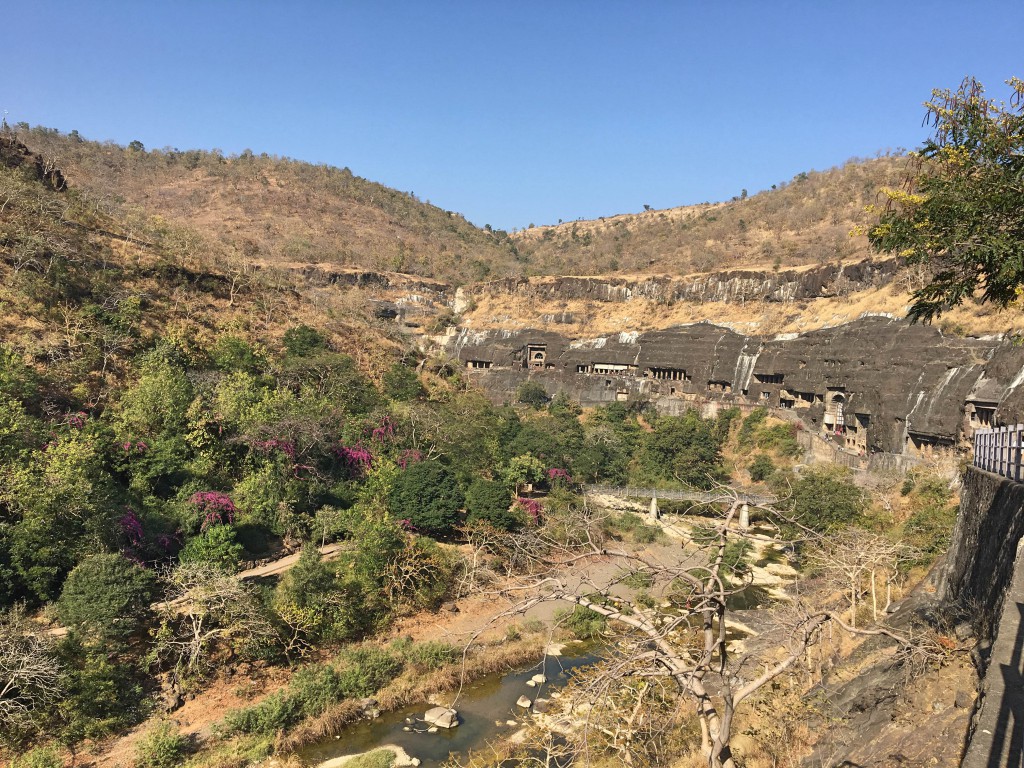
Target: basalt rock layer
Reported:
[(876, 384)]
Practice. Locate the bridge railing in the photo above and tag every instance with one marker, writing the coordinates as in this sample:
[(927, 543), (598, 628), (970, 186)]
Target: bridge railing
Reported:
[(999, 451), (706, 497)]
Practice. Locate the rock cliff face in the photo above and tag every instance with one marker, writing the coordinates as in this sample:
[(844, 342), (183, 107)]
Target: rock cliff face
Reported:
[(873, 385), (825, 281)]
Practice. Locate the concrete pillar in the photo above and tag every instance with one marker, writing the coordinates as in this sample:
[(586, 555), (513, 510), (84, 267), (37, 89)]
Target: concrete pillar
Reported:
[(655, 512), (744, 517)]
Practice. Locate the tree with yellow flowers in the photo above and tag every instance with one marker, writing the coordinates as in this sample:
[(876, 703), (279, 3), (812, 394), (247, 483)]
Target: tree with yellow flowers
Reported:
[(961, 214)]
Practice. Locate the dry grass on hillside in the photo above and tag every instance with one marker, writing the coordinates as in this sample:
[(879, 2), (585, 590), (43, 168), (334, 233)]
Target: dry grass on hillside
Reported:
[(766, 318), (806, 221)]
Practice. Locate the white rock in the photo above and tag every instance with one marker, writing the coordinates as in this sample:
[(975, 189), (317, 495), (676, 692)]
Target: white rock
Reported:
[(524, 702), (539, 679), (530, 683), (511, 723), (432, 729), (442, 717)]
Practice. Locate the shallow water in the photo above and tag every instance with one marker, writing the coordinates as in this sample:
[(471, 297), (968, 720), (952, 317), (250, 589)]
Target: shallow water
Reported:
[(482, 703)]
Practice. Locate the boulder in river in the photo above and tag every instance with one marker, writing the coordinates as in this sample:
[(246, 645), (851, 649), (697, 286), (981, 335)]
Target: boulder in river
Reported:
[(524, 701), (442, 717)]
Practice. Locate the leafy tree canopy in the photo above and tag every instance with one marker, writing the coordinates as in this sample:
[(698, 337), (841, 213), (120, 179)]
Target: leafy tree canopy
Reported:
[(106, 596), (428, 495), (961, 215)]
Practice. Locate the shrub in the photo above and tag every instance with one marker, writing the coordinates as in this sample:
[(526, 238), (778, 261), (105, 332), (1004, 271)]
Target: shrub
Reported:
[(106, 596), (216, 545), (401, 383), (582, 622), (303, 341), (491, 502), (427, 656), (40, 757), (367, 670), (276, 713), (162, 747), (428, 496), (532, 394), (761, 468), (316, 688), (826, 499)]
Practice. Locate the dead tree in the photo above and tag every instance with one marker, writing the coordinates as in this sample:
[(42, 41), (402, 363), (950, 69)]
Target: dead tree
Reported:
[(668, 646), (205, 606), (29, 672)]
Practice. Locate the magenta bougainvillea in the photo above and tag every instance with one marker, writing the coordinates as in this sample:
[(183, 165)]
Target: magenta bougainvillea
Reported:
[(217, 507), (406, 525), (385, 431), (409, 456), (138, 446), (558, 475), (357, 458), (131, 527), (77, 420), (531, 507), (287, 447)]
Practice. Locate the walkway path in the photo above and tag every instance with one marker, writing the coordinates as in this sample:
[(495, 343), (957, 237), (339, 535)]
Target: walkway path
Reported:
[(660, 493), (998, 738)]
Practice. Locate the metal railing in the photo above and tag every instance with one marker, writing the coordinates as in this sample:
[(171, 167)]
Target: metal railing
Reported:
[(677, 495), (999, 451)]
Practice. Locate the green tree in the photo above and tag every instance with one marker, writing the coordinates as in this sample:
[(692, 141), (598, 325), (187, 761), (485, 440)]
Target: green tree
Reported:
[(826, 499), (761, 468), (532, 394), (960, 216), (106, 596), (523, 470), (490, 501), (217, 545), (303, 341), (401, 383), (682, 448), (428, 495)]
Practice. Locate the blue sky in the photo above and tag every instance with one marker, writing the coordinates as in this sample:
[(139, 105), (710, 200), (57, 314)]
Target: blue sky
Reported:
[(511, 112)]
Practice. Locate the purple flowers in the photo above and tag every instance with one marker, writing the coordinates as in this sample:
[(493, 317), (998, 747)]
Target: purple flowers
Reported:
[(357, 458), (139, 447), (531, 507), (287, 447), (217, 507), (555, 474), (385, 431), (77, 420), (131, 527)]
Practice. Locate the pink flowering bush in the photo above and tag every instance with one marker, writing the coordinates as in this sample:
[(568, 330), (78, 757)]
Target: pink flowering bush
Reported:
[(532, 507), (558, 476), (217, 508), (287, 447), (131, 527), (356, 458), (409, 456), (385, 431)]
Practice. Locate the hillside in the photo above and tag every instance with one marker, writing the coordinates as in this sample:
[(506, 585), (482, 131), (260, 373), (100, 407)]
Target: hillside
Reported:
[(808, 220), (267, 210), (85, 287)]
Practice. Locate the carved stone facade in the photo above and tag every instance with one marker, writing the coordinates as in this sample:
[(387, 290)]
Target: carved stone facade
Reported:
[(873, 385)]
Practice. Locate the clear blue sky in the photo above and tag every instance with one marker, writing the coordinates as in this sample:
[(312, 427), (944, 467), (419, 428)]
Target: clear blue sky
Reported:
[(511, 111)]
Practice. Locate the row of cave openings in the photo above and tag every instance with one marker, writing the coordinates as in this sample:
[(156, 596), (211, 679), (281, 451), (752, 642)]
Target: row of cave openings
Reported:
[(849, 431)]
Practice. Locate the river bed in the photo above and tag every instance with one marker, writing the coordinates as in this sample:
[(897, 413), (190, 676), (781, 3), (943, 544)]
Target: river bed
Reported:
[(484, 701)]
